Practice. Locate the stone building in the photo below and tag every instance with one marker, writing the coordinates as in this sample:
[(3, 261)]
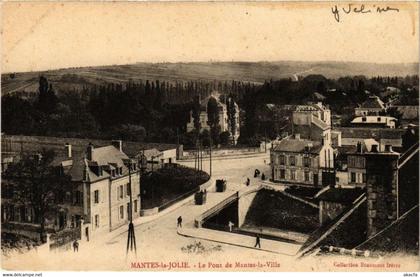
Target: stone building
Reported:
[(312, 122), (372, 106), (100, 199), (223, 118), (301, 161), (382, 189), (377, 121)]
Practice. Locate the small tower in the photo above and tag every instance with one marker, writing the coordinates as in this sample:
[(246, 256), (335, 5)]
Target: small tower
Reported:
[(382, 189)]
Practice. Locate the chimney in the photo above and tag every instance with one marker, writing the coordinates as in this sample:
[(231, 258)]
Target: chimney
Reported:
[(388, 148), (297, 136), (117, 144), (374, 148), (68, 150), (90, 152)]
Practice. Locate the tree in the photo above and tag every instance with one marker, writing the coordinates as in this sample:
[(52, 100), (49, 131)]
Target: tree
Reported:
[(196, 115), (38, 184), (213, 119), (231, 112), (224, 138), (47, 100), (205, 137)]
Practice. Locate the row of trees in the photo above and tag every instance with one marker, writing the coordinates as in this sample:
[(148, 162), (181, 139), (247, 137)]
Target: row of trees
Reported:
[(159, 111)]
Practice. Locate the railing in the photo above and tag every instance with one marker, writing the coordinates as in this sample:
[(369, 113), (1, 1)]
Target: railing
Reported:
[(223, 152), (236, 230), (179, 198), (408, 154), (219, 206)]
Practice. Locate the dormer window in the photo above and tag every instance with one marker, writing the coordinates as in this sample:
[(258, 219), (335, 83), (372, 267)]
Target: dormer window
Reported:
[(113, 172), (120, 171)]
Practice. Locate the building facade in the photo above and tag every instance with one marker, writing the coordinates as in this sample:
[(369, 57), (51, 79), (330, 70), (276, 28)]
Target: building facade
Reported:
[(225, 125), (300, 161), (100, 199), (378, 121), (372, 106)]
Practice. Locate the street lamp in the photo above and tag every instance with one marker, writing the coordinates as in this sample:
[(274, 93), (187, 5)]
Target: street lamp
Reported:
[(131, 239)]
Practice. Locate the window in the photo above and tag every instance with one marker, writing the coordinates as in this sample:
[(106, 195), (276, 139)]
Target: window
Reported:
[(292, 160), (121, 191), (282, 174), (135, 206), (127, 189), (306, 161), (306, 176), (97, 220), (353, 177), (282, 159), (364, 177), (379, 119), (79, 198), (96, 196), (128, 209), (121, 212), (292, 175)]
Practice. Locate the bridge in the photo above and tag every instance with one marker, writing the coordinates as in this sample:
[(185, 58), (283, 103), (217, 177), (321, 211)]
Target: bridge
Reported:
[(198, 221)]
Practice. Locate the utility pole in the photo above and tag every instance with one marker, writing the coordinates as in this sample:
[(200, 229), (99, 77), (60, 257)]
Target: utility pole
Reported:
[(265, 140), (131, 239), (201, 154), (211, 142)]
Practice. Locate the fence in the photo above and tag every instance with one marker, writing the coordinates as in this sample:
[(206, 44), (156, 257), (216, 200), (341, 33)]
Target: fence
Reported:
[(224, 152)]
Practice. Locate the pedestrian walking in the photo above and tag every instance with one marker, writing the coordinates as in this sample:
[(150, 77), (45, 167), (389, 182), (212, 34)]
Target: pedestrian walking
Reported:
[(247, 181), (257, 241), (231, 224), (179, 222), (76, 246)]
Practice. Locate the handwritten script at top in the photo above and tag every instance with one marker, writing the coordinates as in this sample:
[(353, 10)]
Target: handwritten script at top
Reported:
[(360, 9)]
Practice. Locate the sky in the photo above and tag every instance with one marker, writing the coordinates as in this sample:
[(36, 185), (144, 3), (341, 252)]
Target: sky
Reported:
[(40, 36)]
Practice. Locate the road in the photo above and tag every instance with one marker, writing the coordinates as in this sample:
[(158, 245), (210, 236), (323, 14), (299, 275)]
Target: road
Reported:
[(158, 240)]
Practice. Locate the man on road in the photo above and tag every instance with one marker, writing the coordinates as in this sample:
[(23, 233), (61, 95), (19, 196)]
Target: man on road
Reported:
[(76, 246), (257, 241)]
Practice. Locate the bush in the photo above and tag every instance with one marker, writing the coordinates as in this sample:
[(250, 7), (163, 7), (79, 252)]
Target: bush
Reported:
[(169, 183)]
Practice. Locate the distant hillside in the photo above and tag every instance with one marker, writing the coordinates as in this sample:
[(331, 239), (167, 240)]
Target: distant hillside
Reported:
[(258, 72)]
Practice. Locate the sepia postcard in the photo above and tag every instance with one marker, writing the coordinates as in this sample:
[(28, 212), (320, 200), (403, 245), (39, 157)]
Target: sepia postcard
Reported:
[(209, 136)]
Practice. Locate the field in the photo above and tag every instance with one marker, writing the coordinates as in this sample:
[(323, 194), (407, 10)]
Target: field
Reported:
[(256, 72)]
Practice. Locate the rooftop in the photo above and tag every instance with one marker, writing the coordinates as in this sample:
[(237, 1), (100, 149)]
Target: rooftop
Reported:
[(373, 102), (297, 145), (366, 133)]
